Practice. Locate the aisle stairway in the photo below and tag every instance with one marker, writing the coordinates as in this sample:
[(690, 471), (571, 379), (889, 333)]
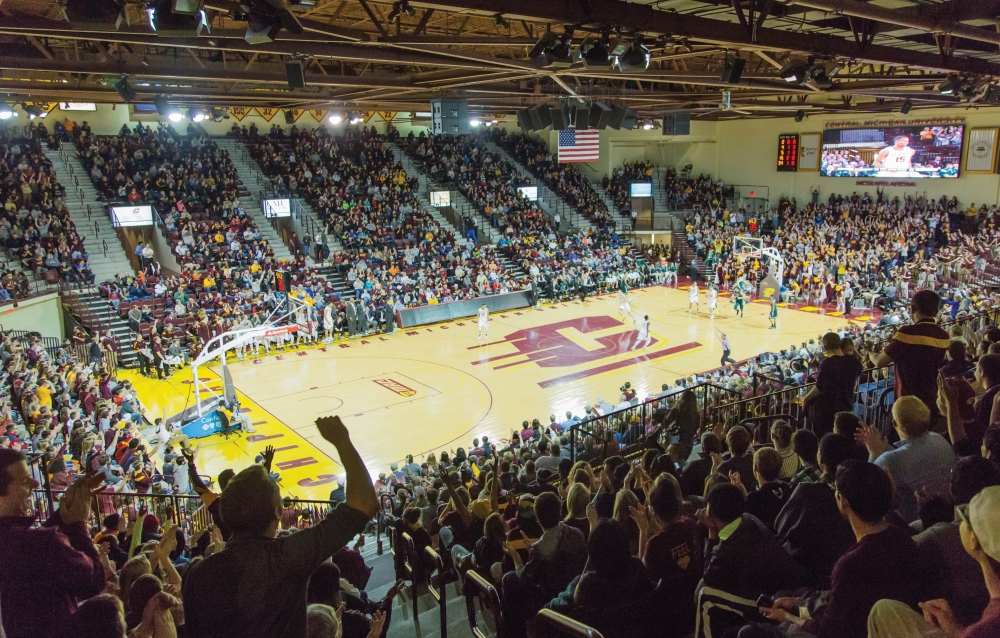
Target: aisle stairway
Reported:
[(248, 172), (256, 180), (566, 210), (96, 227), (458, 201), (117, 325)]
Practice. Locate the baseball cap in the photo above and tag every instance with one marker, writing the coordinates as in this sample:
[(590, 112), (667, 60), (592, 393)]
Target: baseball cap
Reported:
[(984, 519)]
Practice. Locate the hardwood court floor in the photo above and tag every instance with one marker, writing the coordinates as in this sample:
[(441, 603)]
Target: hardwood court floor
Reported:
[(437, 387)]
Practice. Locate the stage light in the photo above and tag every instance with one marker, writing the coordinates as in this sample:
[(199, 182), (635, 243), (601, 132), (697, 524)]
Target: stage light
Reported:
[(265, 18), (6, 111), (33, 111), (355, 118), (647, 125), (175, 116), (794, 72), (635, 58), (218, 114), (819, 77), (197, 114), (336, 118), (907, 106), (949, 86), (595, 52), (553, 49), (473, 122), (176, 17)]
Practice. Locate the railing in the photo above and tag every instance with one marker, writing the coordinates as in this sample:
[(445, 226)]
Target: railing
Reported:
[(631, 427), (438, 592), (181, 509), (566, 626), (80, 309), (478, 591)]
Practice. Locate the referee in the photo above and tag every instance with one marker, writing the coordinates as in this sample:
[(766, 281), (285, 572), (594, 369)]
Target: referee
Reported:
[(725, 349)]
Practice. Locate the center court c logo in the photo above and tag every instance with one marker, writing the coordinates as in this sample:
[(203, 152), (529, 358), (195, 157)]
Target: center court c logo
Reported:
[(598, 343), (395, 386)]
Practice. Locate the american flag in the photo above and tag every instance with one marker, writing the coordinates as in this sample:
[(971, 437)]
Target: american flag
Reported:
[(579, 146)]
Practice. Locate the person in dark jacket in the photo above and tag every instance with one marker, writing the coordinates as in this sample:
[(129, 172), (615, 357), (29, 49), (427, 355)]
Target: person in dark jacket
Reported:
[(553, 561), (746, 560), (257, 585), (44, 571), (810, 524)]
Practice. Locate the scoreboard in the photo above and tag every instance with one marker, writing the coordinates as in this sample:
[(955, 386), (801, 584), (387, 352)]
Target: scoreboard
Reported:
[(788, 152)]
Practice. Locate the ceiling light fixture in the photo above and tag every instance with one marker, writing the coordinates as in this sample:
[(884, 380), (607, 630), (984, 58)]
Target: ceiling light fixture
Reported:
[(595, 52), (501, 21), (197, 114), (175, 116), (635, 58), (6, 111), (336, 118), (794, 72), (819, 77), (473, 122), (949, 86)]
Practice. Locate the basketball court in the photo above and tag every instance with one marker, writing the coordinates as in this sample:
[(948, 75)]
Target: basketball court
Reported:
[(437, 387)]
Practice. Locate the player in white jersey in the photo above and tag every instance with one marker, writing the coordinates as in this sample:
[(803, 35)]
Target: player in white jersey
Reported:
[(624, 307), (328, 323), (693, 297), (897, 157), (484, 322), (711, 296), (644, 336)]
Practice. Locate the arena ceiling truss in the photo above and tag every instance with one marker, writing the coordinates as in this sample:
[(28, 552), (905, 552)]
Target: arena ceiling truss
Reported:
[(503, 55)]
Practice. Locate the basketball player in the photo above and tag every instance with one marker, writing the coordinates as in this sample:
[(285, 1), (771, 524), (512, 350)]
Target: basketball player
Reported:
[(644, 336), (896, 158), (484, 322), (738, 299), (328, 323), (711, 296), (624, 307), (671, 277), (773, 315), (693, 297)]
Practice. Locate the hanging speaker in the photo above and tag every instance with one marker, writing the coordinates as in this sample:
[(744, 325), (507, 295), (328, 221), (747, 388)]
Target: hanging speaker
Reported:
[(544, 116), (734, 69), (289, 117), (125, 90), (524, 120), (535, 118), (617, 117), (560, 117), (296, 76), (680, 124), (581, 116), (600, 115), (628, 122)]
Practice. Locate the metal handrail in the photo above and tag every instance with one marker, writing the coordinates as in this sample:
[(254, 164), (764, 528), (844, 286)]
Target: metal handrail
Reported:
[(477, 588), (566, 626), (438, 592)]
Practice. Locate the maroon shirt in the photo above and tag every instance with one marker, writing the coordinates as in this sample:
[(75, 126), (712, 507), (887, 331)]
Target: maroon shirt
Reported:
[(44, 572), (918, 351)]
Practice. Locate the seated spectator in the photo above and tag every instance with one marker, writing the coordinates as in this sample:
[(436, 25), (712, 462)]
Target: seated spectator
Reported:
[(921, 461), (553, 561), (741, 457), (810, 524), (885, 563), (766, 501), (891, 618), (745, 560)]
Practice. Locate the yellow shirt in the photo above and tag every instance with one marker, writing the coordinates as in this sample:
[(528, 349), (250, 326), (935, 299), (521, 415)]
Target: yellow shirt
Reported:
[(44, 396)]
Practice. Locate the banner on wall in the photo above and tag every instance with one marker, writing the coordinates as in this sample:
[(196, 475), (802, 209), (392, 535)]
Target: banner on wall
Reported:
[(981, 151), (267, 114), (809, 152), (318, 115), (297, 113), (387, 115), (369, 115), (239, 112)]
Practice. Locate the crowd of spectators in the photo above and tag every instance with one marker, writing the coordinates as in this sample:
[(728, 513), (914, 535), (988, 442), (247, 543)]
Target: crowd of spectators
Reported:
[(565, 180), (855, 250), (36, 228)]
